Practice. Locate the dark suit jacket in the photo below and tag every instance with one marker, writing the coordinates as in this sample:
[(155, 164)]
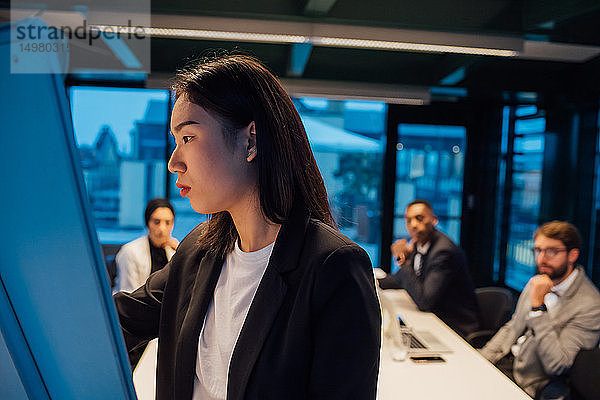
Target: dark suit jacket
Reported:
[(444, 286), (312, 331)]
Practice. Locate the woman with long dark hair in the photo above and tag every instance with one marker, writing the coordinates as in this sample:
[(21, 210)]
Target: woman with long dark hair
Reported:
[(266, 300)]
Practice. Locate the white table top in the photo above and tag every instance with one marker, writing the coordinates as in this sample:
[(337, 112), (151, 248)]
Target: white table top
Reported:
[(465, 374), (144, 374)]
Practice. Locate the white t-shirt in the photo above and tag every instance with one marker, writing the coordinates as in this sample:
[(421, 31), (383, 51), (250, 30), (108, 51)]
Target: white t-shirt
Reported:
[(235, 290)]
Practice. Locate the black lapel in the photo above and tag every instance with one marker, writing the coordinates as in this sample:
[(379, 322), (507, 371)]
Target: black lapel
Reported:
[(266, 303), (434, 238), (187, 345)]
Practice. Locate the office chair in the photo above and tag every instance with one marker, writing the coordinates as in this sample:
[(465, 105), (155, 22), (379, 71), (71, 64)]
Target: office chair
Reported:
[(109, 251), (585, 375), (495, 308)]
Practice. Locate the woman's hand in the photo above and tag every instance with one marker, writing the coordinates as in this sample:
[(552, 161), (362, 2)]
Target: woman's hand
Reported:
[(172, 243)]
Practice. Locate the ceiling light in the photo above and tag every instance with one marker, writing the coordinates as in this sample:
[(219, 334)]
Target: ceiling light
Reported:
[(207, 34), (315, 39), (430, 48), (389, 100), (341, 90)]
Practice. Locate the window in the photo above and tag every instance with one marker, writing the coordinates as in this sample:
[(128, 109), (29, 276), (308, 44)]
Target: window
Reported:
[(429, 165), (348, 141), (594, 244), (121, 135), (520, 169)]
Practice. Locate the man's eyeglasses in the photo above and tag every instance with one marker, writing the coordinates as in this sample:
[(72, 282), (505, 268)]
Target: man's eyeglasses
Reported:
[(549, 252)]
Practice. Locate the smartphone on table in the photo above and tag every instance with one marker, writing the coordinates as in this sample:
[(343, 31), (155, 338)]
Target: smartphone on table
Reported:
[(427, 359)]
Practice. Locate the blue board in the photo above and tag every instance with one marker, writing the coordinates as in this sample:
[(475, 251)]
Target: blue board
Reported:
[(59, 329)]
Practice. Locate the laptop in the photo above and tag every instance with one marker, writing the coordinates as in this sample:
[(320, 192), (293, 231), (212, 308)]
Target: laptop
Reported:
[(422, 342)]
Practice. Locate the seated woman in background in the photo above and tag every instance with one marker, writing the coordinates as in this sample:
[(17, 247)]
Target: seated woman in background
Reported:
[(147, 254), (266, 300)]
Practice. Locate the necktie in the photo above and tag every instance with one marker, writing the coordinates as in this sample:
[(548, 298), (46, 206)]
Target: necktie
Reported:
[(418, 261)]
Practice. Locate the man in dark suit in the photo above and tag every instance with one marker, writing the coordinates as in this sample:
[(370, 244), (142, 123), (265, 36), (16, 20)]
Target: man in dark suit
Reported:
[(433, 271)]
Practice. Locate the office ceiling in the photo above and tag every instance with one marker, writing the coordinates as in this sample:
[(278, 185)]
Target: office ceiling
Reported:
[(574, 24), (557, 42)]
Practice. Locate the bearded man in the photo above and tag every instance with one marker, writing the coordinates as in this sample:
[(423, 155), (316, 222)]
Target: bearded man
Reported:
[(558, 314)]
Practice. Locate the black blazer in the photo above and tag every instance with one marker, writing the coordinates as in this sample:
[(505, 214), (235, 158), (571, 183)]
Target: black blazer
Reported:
[(444, 286), (312, 331)]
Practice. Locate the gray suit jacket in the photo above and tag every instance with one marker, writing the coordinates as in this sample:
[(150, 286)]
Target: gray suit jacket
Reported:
[(553, 339)]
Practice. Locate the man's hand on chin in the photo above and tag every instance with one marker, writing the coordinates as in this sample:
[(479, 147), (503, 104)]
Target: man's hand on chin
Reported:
[(540, 286), (400, 250)]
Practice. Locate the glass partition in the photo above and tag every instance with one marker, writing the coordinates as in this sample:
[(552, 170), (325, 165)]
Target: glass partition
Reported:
[(348, 140), (523, 156), (429, 165), (121, 134)]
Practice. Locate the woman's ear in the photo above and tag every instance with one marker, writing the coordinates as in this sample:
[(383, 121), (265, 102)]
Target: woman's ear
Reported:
[(251, 147)]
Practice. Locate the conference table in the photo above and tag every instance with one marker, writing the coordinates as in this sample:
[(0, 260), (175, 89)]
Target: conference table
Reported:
[(465, 375)]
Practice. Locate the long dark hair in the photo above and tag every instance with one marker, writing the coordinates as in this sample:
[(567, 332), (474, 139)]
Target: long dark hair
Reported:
[(238, 89)]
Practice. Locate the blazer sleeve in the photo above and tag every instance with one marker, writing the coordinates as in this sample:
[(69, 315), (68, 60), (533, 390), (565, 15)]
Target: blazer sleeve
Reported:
[(499, 345), (139, 311), (557, 351), (427, 293), (394, 281), (391, 281), (347, 328)]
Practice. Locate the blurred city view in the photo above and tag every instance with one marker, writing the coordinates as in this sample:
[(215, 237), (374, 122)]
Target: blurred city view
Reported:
[(124, 164), (122, 134)]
